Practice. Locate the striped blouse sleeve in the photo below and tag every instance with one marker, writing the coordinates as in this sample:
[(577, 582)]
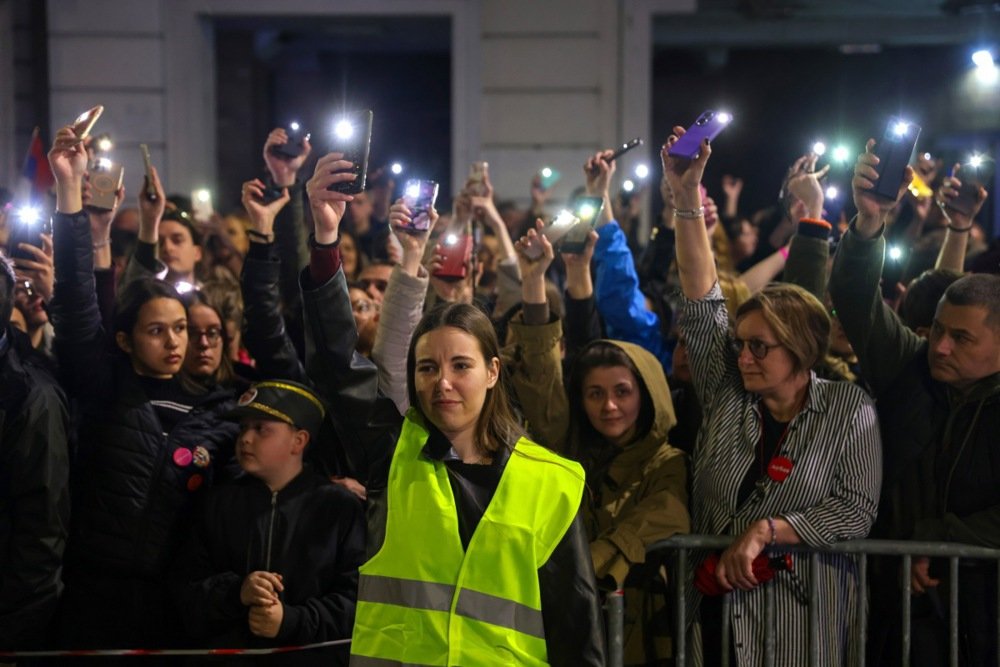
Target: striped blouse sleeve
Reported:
[(705, 325), (848, 512)]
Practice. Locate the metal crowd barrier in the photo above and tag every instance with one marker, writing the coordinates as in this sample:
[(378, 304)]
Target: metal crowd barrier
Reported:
[(683, 544)]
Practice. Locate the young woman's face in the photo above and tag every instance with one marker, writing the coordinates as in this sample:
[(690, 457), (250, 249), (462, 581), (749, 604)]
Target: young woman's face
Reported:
[(611, 399), (451, 378), (159, 338), (205, 341)]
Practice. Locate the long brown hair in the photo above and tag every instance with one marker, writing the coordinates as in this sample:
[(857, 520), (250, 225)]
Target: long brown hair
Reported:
[(496, 427)]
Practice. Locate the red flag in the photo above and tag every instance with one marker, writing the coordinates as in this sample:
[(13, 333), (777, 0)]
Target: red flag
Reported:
[(36, 167)]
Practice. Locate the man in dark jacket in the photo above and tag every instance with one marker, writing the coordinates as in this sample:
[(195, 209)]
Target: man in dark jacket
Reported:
[(274, 557), (34, 495), (939, 408)]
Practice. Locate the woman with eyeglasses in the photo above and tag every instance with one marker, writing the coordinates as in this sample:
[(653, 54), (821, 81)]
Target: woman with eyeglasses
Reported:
[(784, 458)]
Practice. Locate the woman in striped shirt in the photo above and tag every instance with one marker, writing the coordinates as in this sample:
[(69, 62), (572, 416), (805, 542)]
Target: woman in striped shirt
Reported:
[(783, 458)]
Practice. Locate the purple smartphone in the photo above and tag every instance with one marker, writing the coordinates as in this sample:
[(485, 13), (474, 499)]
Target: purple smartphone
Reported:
[(708, 125)]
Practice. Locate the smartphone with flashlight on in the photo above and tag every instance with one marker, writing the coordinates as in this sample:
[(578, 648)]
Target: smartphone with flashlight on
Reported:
[(547, 177), (84, 123), (456, 250), (554, 230), (478, 175), (148, 190), (352, 136), (105, 180), (419, 196), (586, 210), (624, 148), (29, 225), (201, 205), (295, 145), (708, 126), (894, 153)]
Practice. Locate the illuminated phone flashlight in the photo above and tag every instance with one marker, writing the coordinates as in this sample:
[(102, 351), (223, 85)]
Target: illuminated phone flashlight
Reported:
[(343, 129), (203, 195), (901, 128), (183, 287), (641, 171), (396, 168), (28, 215), (819, 148), (564, 218), (628, 185), (832, 192), (451, 239), (104, 163), (104, 143), (975, 161), (294, 126), (841, 154), (895, 253), (928, 156), (724, 117), (546, 172), (413, 190), (587, 212)]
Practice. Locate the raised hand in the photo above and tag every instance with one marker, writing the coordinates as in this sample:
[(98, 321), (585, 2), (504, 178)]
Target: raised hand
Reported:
[(328, 206), (40, 269), (413, 242), (68, 160), (532, 264), (949, 191), (682, 176), (597, 171), (872, 209), (283, 169), (262, 215), (151, 211), (803, 181)]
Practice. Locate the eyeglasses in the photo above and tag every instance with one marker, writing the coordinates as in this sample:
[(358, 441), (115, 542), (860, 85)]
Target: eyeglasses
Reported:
[(379, 284), (363, 306), (213, 335), (758, 348)]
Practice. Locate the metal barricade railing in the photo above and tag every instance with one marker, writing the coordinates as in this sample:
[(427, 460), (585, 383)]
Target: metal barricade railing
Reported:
[(681, 545)]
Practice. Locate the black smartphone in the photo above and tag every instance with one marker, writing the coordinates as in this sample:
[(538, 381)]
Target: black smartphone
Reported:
[(554, 230), (708, 126), (586, 210), (29, 225), (352, 136), (624, 148), (149, 190), (294, 147), (894, 153), (419, 196)]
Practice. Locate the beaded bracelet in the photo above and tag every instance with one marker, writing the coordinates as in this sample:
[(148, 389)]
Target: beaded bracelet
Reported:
[(689, 213)]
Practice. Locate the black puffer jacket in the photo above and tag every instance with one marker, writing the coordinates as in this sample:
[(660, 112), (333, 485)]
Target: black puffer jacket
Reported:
[(131, 501)]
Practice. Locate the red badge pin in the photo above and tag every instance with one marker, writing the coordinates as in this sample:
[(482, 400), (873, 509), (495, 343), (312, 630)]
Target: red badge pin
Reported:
[(779, 468), (194, 482)]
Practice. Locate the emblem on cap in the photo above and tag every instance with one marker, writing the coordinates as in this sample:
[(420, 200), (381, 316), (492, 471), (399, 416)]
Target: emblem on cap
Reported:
[(248, 397)]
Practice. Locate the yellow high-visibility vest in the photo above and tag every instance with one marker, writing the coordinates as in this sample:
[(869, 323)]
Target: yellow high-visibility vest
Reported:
[(424, 600)]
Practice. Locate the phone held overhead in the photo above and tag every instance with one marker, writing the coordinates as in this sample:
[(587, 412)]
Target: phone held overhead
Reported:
[(708, 126), (419, 196), (295, 146), (894, 152), (352, 136)]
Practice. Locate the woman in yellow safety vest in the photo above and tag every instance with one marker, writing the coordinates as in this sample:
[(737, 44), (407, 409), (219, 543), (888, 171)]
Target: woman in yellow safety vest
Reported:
[(476, 552)]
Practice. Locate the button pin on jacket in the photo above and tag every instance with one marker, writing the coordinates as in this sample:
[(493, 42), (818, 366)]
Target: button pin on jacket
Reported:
[(195, 482), (183, 457), (202, 458)]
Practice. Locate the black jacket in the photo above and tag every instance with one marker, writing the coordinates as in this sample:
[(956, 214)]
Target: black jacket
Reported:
[(131, 502), (34, 492), (371, 426), (311, 532)]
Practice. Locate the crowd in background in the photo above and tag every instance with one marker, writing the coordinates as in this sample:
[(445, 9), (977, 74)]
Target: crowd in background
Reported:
[(767, 375)]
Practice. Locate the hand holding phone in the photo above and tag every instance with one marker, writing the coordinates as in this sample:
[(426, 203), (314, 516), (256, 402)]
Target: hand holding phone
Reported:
[(547, 177), (894, 153), (295, 145), (708, 126), (478, 183), (149, 188), (964, 196), (419, 196), (106, 179), (29, 225), (455, 250)]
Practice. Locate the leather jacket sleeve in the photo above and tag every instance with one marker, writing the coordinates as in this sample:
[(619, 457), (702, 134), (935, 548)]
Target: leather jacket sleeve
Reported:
[(264, 331), (368, 423)]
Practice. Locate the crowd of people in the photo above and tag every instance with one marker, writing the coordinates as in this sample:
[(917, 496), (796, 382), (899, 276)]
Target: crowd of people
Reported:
[(305, 421)]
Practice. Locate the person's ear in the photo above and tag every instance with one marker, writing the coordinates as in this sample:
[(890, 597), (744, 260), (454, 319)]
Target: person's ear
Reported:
[(124, 342), (197, 253), (923, 332), (492, 372), (299, 441)]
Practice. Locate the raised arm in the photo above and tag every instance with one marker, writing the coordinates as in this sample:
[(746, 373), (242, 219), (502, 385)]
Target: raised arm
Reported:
[(402, 306), (289, 223), (582, 322), (143, 262), (883, 344), (956, 236)]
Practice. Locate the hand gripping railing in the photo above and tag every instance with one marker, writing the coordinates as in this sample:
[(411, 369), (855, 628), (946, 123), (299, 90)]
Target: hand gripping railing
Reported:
[(683, 544)]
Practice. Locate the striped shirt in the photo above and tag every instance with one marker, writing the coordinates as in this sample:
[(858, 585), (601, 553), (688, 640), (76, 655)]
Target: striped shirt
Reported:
[(830, 495)]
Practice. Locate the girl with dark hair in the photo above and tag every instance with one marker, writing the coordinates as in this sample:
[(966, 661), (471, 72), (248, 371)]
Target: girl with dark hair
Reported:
[(146, 446), (476, 553), (613, 417)]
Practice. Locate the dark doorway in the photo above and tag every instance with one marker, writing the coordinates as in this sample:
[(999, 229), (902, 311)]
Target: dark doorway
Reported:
[(273, 71)]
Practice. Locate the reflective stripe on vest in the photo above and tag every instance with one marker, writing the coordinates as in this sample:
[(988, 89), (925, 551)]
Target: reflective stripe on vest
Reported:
[(423, 599)]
